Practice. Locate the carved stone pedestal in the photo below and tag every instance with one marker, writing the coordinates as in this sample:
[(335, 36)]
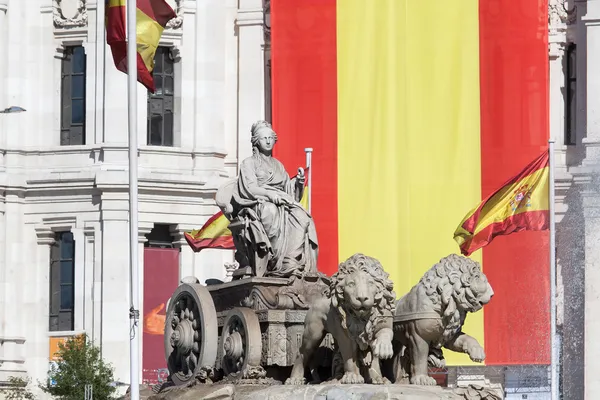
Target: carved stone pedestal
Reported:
[(324, 392)]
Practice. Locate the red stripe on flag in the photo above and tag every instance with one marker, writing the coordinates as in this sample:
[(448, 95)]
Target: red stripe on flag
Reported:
[(119, 52), (514, 129), (115, 25), (304, 88), (531, 220), (158, 10)]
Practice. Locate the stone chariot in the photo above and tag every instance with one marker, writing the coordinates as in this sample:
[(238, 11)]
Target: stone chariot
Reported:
[(253, 325)]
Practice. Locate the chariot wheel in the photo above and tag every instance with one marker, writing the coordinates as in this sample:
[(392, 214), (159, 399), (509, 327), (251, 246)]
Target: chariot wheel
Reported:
[(241, 340), (190, 332)]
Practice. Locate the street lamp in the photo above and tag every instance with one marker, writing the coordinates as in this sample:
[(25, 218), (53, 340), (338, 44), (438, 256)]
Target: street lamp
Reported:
[(12, 110)]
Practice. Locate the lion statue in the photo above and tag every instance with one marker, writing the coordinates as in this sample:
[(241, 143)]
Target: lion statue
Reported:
[(432, 314), (358, 312)]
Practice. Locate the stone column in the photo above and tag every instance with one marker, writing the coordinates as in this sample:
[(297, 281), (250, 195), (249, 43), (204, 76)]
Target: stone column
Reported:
[(186, 254), (115, 290), (231, 88), (18, 89), (591, 212), (251, 86), (79, 279), (3, 76), (557, 99), (4, 301), (40, 341), (187, 92), (591, 21), (92, 305), (210, 84)]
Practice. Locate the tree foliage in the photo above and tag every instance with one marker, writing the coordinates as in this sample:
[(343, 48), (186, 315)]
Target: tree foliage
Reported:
[(18, 389), (79, 364)]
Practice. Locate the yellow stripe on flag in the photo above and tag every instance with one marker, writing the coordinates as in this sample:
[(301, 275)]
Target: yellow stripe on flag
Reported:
[(148, 33), (304, 199), (408, 133), (117, 3), (219, 227), (500, 206)]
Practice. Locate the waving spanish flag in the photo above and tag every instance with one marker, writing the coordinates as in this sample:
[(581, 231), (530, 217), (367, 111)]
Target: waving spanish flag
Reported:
[(520, 204), (152, 17), (215, 233)]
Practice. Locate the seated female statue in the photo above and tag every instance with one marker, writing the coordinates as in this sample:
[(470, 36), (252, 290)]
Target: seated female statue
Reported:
[(276, 224)]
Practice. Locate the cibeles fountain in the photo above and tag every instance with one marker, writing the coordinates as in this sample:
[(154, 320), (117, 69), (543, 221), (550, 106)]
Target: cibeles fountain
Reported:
[(282, 330)]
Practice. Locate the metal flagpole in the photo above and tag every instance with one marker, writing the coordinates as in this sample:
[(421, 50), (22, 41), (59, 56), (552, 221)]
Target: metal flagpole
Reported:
[(134, 338), (554, 358), (308, 152)]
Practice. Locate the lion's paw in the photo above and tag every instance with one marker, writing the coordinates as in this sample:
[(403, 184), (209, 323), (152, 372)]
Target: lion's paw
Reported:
[(379, 380), (383, 349), (295, 381), (476, 353), (352, 378), (423, 380)]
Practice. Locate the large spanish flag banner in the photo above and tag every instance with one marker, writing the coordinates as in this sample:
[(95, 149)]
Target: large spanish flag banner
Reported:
[(417, 110)]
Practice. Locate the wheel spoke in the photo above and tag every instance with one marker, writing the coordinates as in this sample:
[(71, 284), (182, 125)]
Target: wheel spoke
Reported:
[(191, 320), (193, 361)]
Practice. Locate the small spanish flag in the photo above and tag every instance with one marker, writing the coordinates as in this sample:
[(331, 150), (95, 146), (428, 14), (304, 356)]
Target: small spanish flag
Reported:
[(152, 17), (520, 204), (215, 233)]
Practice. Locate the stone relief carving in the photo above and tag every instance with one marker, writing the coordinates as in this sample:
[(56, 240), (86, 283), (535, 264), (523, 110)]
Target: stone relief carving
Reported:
[(437, 307), (476, 392), (176, 22), (559, 14), (298, 295), (357, 312), (69, 13)]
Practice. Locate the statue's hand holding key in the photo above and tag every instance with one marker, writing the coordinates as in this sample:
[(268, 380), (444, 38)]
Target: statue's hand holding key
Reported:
[(300, 178)]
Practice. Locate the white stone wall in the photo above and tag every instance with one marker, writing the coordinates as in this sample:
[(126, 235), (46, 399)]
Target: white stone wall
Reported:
[(45, 187), (578, 194)]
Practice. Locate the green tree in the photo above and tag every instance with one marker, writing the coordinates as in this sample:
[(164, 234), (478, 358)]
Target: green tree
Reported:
[(79, 364), (17, 389)]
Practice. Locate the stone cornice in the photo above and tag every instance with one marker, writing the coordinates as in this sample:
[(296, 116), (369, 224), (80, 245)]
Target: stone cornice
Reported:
[(144, 228), (45, 235), (249, 17), (85, 149)]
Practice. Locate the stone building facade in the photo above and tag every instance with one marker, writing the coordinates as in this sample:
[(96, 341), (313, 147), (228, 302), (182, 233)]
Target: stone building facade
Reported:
[(574, 50), (63, 167), (64, 162)]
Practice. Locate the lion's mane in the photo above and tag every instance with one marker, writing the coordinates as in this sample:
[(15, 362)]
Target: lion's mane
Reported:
[(362, 331), (454, 286)]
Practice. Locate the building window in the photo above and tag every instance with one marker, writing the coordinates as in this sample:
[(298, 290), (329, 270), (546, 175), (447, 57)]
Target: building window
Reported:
[(570, 95), (160, 104), (72, 125), (62, 289), (160, 237)]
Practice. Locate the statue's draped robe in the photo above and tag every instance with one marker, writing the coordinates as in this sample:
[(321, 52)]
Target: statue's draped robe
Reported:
[(287, 231)]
